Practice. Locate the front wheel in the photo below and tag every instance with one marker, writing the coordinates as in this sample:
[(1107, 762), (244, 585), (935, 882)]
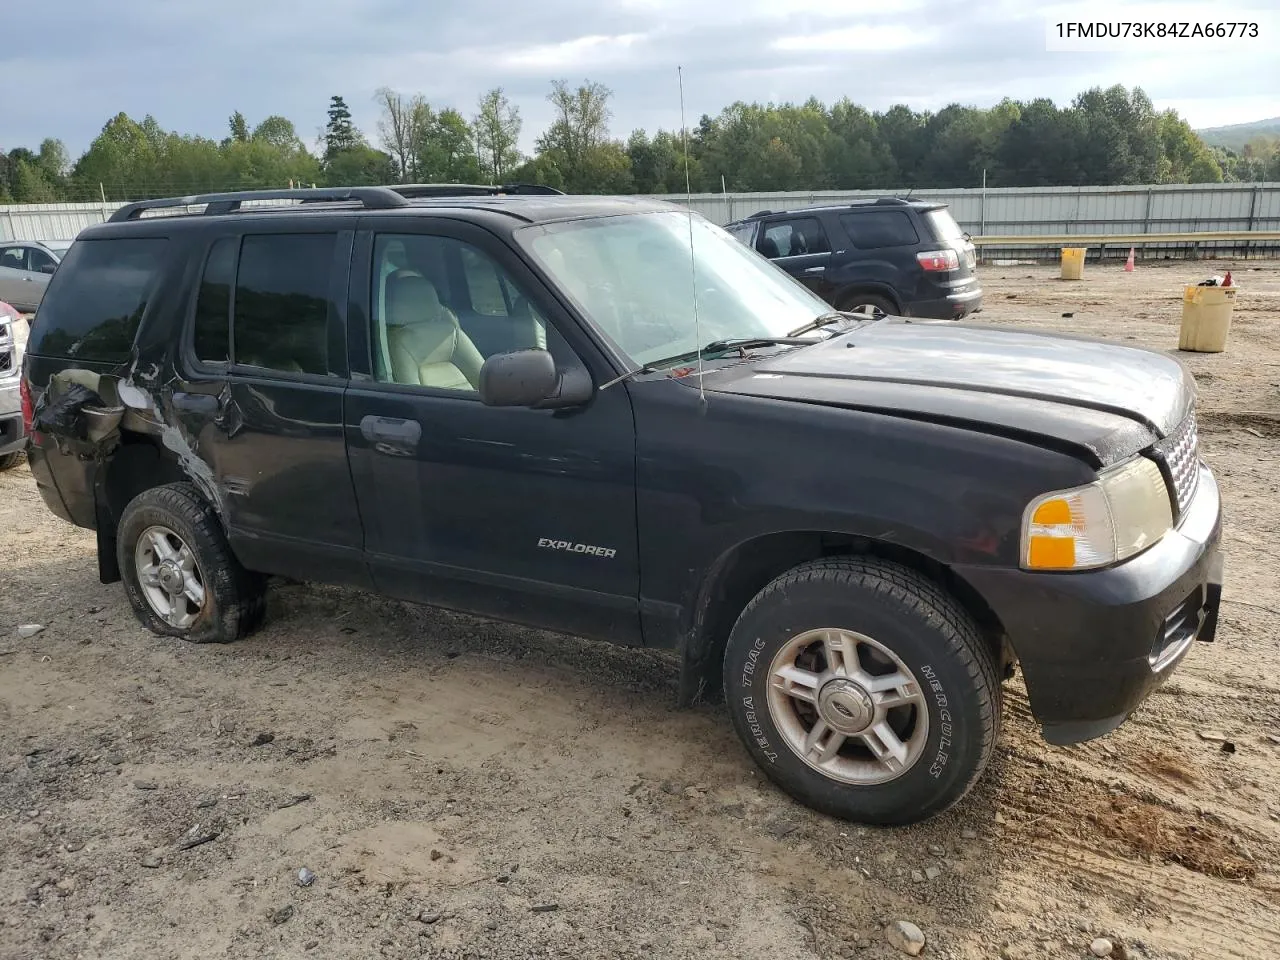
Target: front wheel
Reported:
[(9, 460), (863, 690), (871, 305)]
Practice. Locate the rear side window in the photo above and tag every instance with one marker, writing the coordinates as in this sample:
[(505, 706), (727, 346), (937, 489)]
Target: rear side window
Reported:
[(943, 225), (281, 319), (879, 228), (96, 300), (212, 333)]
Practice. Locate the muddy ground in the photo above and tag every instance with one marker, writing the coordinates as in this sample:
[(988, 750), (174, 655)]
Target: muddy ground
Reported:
[(462, 788)]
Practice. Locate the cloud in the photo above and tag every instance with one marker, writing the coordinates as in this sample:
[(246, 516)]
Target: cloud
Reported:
[(191, 66)]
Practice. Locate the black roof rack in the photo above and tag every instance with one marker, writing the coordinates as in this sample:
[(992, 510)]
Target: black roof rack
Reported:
[(760, 213), (423, 190), (373, 198)]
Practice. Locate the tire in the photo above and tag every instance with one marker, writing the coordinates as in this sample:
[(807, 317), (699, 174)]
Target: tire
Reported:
[(811, 618), (882, 306), (10, 460), (233, 600)]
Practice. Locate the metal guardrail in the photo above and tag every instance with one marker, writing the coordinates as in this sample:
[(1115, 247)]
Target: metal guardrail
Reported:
[(1125, 239)]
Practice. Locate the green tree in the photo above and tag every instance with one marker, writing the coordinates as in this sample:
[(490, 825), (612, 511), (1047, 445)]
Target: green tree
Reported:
[(497, 131), (446, 149), (339, 133), (32, 184), (359, 166), (239, 127), (280, 133)]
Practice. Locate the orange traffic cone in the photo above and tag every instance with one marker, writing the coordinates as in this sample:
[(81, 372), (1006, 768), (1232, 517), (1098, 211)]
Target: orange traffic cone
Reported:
[(1128, 264)]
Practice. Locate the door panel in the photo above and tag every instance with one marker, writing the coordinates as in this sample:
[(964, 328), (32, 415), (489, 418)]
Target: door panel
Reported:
[(14, 282), (263, 396), (522, 514), (800, 246)]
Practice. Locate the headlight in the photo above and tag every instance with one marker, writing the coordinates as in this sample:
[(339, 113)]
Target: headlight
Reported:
[(1120, 514)]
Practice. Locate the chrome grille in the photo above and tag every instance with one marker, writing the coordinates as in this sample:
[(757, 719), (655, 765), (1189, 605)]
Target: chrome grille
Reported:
[(1180, 454)]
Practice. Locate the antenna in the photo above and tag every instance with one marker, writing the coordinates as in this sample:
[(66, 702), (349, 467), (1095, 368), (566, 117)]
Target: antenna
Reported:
[(693, 260)]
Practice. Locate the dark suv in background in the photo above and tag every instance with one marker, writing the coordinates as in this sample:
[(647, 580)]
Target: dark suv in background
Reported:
[(884, 256)]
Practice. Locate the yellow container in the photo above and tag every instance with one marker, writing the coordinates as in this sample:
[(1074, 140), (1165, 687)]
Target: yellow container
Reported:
[(1073, 263), (1206, 318)]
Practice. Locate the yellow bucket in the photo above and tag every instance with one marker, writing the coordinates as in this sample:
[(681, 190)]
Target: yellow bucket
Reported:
[(1073, 263), (1206, 318)]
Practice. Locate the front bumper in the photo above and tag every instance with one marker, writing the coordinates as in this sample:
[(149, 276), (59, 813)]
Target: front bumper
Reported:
[(12, 432), (1094, 645)]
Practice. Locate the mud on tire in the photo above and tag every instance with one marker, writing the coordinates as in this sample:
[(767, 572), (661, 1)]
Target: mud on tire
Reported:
[(233, 599), (895, 664)]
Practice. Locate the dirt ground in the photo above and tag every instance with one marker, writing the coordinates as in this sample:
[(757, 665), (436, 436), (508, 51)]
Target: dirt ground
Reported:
[(467, 789)]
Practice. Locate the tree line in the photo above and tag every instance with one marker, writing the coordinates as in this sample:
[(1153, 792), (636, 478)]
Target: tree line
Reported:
[(1103, 137)]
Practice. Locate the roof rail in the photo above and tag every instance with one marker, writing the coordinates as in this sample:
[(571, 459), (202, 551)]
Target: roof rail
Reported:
[(423, 190), (373, 198), (760, 213), (896, 201)]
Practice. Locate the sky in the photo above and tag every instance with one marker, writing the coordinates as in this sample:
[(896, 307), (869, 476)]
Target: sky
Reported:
[(191, 65)]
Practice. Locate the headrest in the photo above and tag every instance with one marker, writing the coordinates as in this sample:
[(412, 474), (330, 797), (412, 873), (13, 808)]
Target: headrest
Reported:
[(411, 298)]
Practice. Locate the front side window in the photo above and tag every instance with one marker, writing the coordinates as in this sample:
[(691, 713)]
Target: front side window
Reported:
[(40, 262), (441, 307), (794, 238), (639, 276), (282, 303), (96, 299)]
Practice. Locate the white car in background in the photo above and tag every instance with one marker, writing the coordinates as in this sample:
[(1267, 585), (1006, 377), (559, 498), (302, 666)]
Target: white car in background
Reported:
[(25, 269)]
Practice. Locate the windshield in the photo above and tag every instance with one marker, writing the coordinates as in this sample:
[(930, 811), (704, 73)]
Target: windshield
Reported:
[(634, 277)]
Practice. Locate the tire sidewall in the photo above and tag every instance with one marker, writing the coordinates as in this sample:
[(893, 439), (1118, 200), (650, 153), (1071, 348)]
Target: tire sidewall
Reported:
[(953, 749), (138, 517)]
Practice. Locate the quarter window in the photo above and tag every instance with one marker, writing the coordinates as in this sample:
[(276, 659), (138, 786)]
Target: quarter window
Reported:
[(96, 299)]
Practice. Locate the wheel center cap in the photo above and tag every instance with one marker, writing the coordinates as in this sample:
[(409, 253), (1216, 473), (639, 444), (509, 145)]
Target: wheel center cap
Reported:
[(171, 577), (845, 706)]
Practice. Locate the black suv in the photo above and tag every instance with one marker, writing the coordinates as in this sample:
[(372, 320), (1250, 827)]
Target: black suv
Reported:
[(885, 256), (525, 407)]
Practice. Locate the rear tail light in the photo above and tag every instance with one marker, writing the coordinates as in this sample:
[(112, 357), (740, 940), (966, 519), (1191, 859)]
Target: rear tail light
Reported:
[(939, 260), (28, 408)]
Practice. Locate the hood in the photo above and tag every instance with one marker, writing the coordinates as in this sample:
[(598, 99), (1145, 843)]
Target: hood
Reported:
[(1103, 400)]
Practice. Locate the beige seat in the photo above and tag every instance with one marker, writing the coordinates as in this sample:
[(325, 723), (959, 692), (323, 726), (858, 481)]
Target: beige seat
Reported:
[(425, 342)]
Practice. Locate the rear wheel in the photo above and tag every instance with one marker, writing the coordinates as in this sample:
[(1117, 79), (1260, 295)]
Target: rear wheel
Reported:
[(870, 304), (179, 572), (863, 690)]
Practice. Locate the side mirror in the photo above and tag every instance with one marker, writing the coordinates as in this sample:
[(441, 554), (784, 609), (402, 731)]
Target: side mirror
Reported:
[(48, 268), (529, 378)]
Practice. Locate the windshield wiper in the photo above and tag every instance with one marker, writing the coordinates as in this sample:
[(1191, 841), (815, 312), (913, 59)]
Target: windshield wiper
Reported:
[(735, 343), (817, 323)]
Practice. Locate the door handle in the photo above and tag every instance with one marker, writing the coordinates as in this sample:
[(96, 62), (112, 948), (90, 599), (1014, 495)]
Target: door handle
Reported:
[(203, 403), (402, 435), (814, 269)]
